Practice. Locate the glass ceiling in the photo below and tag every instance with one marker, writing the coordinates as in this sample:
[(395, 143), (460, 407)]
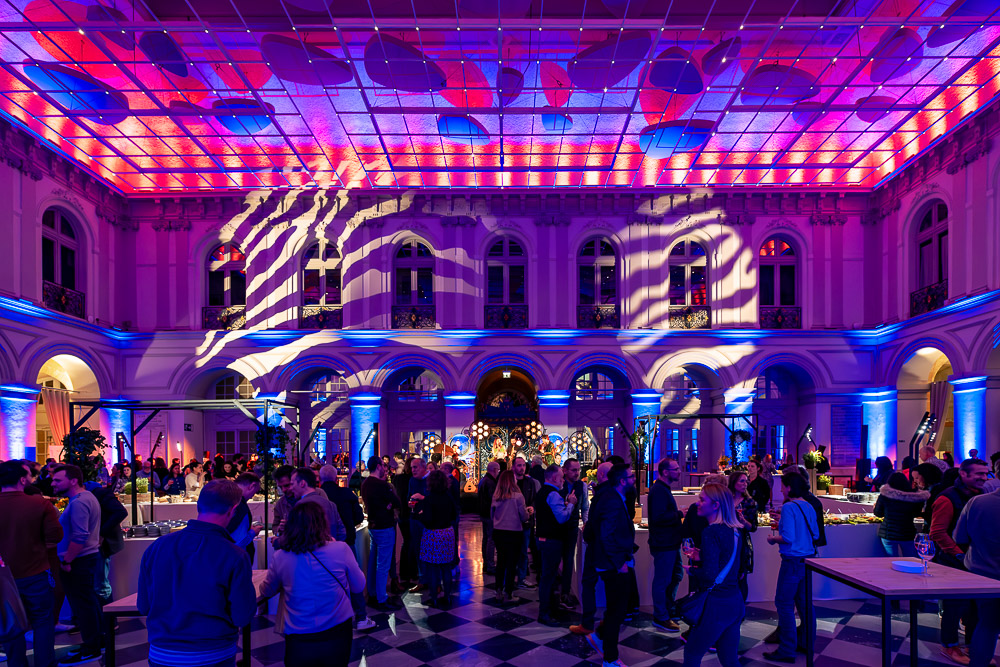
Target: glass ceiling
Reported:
[(194, 95)]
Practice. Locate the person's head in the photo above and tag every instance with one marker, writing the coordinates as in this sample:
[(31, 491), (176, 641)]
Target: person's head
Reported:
[(385, 459), (949, 477), (13, 476), (884, 465), (175, 469), (909, 463), (431, 466), (249, 484), (571, 470), (126, 471), (447, 468), (419, 467), (197, 468), (67, 480), (437, 482), (926, 476), (218, 500), (717, 478), (376, 467), (716, 504), (554, 475), (753, 469), (898, 481), (327, 474), (31, 468), (306, 528), (408, 466), (668, 470), (615, 459), (506, 486), (493, 469), (147, 465), (973, 473), (602, 472), (738, 483), (621, 477), (303, 481), (520, 466), (973, 453), (927, 452), (794, 485), (227, 468), (536, 460), (283, 478)]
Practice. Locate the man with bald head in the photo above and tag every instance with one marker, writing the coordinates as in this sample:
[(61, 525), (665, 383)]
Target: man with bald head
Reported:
[(602, 473), (487, 487)]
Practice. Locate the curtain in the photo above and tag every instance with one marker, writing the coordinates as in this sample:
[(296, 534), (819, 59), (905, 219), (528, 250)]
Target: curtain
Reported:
[(57, 411), (940, 392)]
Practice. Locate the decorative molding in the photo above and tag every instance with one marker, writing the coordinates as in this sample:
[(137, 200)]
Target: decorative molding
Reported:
[(736, 219), (685, 222), (463, 221), (67, 196), (119, 220), (166, 225), (776, 223), (964, 159), (828, 219)]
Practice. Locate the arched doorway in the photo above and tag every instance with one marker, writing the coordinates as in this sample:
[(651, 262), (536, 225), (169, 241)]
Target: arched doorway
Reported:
[(62, 379), (599, 397), (326, 410), (923, 387), (782, 411), (413, 400), (507, 397)]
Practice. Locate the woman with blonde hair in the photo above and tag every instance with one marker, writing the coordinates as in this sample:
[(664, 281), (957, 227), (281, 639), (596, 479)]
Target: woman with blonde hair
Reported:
[(716, 566), (509, 514)]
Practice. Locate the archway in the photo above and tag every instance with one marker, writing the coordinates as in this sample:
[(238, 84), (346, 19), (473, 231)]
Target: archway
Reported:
[(783, 413), (62, 379), (923, 388), (507, 397), (413, 403), (695, 443), (322, 397), (598, 398)]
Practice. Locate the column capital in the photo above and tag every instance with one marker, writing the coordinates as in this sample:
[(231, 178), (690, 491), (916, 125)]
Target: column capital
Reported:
[(971, 383), (19, 391), (553, 398), (365, 399), (460, 400)]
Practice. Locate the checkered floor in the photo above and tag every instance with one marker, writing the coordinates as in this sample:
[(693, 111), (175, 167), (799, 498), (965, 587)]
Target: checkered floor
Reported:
[(476, 632)]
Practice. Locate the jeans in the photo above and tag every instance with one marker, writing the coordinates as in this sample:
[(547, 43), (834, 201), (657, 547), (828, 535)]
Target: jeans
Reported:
[(551, 553), (37, 598), (902, 548), (951, 612), (508, 543), (588, 589), (667, 576), (984, 640), (616, 590), (522, 564), (789, 597), (379, 560), (719, 627), (488, 545), (81, 584), (439, 575), (416, 535), (104, 591), (407, 560), (320, 649), (569, 560)]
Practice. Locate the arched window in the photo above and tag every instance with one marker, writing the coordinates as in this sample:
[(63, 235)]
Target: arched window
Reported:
[(420, 386), (332, 387), (932, 260), (505, 286), (688, 286), (597, 285), (593, 386), (779, 307), (233, 386), (414, 287), (60, 273), (321, 287), (227, 289)]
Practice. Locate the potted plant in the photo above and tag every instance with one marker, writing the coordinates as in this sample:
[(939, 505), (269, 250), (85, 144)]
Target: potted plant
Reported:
[(80, 449), (823, 484), (724, 462), (737, 438), (813, 460)]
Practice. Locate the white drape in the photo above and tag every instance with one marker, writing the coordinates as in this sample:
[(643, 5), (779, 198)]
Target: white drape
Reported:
[(57, 411)]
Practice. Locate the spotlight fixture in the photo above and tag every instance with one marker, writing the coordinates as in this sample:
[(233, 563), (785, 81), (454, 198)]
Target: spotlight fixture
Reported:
[(534, 431), (479, 430), (431, 442)]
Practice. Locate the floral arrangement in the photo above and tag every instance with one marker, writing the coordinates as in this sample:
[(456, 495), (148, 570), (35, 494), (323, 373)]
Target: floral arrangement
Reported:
[(724, 462), (141, 486), (813, 459), (591, 476), (823, 482)]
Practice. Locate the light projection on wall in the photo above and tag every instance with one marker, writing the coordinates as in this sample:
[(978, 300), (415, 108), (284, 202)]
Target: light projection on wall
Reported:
[(185, 96)]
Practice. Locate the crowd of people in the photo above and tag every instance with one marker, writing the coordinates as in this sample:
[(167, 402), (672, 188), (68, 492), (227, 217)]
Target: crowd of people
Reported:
[(531, 517)]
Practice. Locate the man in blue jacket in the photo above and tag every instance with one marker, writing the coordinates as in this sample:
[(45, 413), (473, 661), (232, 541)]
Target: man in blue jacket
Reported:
[(194, 615), (665, 536)]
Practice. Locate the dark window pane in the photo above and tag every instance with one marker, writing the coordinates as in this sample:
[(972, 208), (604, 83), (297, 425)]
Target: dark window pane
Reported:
[(786, 250), (235, 255), (699, 290), (66, 229), (696, 250), (404, 287), (332, 287), (927, 270), (588, 249), (310, 287), (404, 250), (219, 255), (48, 259), (216, 288), (942, 256), (423, 251), (787, 274), (767, 250), (331, 252), (927, 221), (425, 286), (514, 249), (312, 253), (237, 288), (767, 285), (49, 219), (677, 249), (67, 267), (516, 284), (494, 284), (607, 250), (609, 285), (497, 249), (676, 293), (586, 285), (942, 212)]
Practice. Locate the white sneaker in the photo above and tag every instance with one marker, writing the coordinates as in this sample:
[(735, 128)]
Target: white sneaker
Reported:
[(365, 624)]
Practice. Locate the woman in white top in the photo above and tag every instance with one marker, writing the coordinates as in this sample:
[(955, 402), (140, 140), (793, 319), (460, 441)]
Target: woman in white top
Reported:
[(316, 576), (194, 480)]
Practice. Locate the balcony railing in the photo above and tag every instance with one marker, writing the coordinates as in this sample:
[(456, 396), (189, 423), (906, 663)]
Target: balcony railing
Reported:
[(690, 317), (506, 317), (413, 317), (597, 317), (228, 318), (321, 317), (64, 299), (780, 317), (929, 298)]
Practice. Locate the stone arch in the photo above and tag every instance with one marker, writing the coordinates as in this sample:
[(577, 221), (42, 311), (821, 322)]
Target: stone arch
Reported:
[(37, 356), (620, 363), (396, 363)]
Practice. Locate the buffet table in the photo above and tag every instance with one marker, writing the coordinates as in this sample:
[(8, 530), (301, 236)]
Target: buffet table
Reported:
[(188, 509)]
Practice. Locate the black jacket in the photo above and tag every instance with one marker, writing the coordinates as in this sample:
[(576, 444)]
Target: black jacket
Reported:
[(694, 525), (528, 487), (348, 508), (487, 487), (436, 511), (899, 509), (614, 530), (112, 515), (401, 483), (665, 531), (380, 502), (760, 491), (538, 474)]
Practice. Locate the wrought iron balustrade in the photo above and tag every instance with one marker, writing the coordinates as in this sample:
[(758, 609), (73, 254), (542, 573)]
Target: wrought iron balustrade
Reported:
[(690, 317), (929, 298), (321, 317), (64, 299), (780, 317), (413, 317), (227, 318), (597, 317), (506, 317)]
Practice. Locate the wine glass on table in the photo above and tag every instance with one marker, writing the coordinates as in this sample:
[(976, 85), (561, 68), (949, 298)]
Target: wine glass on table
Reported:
[(925, 549)]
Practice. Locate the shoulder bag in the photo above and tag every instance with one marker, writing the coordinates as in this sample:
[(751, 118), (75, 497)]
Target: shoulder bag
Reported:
[(13, 620), (692, 605)]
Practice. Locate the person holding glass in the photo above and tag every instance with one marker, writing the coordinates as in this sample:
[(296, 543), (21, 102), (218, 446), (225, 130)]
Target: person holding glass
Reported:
[(899, 505)]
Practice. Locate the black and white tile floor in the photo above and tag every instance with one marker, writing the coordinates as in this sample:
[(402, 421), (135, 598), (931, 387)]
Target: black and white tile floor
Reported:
[(476, 632)]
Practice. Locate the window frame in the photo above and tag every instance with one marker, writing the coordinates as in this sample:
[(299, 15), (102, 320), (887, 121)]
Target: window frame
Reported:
[(226, 267), (778, 260), (935, 236), (598, 262), (687, 261), (505, 261), (414, 263), (61, 241), (323, 264)]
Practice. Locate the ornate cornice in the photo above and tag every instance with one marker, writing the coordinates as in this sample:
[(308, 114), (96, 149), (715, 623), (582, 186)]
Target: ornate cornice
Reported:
[(970, 155), (829, 219), (167, 225)]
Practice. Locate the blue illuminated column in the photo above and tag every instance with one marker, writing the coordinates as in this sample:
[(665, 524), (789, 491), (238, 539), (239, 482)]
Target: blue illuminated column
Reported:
[(880, 416), (970, 410), (113, 422), (364, 418), (553, 410), (459, 413), (17, 421), (645, 403)]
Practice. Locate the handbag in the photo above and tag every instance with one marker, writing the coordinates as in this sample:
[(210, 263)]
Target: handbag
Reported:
[(13, 619), (692, 605)]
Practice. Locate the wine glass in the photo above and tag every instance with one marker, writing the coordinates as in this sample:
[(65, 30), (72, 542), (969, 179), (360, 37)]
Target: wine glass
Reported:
[(687, 546), (925, 549)]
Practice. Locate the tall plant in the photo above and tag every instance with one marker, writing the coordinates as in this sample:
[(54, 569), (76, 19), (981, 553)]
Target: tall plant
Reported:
[(81, 448)]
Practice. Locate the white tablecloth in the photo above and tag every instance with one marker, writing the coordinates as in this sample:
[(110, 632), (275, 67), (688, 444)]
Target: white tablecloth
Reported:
[(189, 510)]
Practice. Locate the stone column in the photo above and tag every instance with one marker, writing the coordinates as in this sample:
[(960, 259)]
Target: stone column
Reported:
[(879, 415), (18, 405), (969, 395), (365, 410)]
